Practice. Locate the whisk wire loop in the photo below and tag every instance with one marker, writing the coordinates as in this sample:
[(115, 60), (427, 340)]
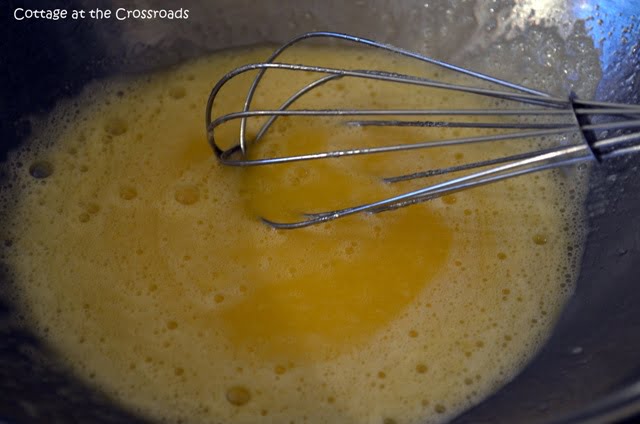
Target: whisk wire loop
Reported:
[(596, 141)]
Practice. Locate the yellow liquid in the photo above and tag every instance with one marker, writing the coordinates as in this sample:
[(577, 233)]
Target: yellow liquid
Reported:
[(143, 263)]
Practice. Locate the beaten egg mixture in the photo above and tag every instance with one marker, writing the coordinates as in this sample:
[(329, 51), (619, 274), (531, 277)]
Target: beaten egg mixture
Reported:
[(143, 262)]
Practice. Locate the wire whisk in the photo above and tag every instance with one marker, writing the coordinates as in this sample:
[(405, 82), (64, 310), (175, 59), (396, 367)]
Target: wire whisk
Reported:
[(595, 142)]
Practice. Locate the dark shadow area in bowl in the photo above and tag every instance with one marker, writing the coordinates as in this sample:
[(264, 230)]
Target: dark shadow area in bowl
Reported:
[(33, 387)]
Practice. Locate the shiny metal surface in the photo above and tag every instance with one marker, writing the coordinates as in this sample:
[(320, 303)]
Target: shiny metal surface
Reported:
[(589, 371), (594, 143)]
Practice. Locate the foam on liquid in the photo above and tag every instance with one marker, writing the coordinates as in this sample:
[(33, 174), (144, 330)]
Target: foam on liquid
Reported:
[(141, 260)]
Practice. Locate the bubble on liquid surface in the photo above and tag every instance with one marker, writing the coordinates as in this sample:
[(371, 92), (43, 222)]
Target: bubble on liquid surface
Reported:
[(187, 195), (41, 169), (128, 192), (238, 395), (116, 126)]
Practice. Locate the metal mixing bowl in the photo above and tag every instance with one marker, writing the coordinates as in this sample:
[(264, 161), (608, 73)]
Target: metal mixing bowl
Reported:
[(589, 371)]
